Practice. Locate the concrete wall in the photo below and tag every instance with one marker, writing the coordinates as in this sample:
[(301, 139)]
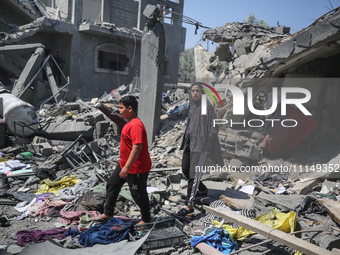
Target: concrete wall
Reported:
[(174, 45), (82, 67), (124, 13), (11, 14)]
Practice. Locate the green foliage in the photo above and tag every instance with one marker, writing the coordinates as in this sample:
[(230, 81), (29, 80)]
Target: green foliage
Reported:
[(186, 72), (252, 19)]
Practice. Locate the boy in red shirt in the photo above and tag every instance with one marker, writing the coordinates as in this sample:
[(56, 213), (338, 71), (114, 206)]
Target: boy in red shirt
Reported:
[(134, 164)]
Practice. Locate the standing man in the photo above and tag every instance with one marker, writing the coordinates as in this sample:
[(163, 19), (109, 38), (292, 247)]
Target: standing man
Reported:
[(134, 164)]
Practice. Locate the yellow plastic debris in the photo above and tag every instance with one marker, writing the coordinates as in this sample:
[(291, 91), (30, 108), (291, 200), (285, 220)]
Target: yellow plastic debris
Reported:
[(285, 222), (48, 186)]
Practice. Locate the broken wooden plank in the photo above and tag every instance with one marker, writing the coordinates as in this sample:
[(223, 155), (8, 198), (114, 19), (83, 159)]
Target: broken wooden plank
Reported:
[(236, 199), (269, 232), (206, 249), (332, 207)]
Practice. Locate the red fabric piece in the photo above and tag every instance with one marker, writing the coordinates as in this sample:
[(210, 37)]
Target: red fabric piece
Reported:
[(282, 140), (73, 216), (133, 133)]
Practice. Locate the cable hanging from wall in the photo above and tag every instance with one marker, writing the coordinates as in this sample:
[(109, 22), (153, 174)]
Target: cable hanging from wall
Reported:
[(186, 19)]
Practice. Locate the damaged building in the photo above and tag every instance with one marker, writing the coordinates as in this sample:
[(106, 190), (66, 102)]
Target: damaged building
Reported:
[(100, 41), (54, 168)]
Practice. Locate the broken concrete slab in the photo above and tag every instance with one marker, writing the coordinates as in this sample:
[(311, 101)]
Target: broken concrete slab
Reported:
[(68, 130), (18, 47), (304, 186), (283, 202), (32, 66), (332, 207)]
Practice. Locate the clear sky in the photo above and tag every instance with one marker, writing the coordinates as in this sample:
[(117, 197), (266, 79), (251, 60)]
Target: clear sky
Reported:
[(296, 14)]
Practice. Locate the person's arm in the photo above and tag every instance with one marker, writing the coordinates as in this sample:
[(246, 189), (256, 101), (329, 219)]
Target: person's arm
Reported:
[(136, 149)]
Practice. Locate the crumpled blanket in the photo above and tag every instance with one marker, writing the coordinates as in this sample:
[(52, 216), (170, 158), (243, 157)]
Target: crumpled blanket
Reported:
[(113, 231), (219, 239)]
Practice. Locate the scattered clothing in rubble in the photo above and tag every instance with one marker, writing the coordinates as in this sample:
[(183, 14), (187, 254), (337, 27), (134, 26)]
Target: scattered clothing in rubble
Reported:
[(48, 186), (248, 212), (113, 231), (219, 239), (285, 222), (272, 180), (309, 205), (207, 221), (73, 217), (37, 236), (47, 205), (79, 189)]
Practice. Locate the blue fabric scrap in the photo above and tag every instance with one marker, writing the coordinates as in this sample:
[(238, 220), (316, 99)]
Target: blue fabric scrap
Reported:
[(113, 231), (219, 239)]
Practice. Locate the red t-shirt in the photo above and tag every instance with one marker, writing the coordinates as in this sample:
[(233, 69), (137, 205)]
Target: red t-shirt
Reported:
[(133, 133)]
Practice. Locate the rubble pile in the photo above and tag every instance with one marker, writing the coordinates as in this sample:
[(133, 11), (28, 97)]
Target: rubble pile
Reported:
[(71, 173)]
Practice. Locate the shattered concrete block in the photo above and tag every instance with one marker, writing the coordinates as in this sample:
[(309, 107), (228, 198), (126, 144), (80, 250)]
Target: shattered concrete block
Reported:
[(328, 187), (304, 186), (223, 52), (239, 47), (101, 129), (38, 139), (282, 29), (73, 106)]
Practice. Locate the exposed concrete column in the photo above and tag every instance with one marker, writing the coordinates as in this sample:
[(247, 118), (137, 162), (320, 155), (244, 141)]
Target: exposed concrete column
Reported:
[(77, 11), (152, 73), (106, 8)]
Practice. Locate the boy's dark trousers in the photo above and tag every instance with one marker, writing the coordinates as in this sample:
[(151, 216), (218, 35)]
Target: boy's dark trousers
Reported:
[(137, 185)]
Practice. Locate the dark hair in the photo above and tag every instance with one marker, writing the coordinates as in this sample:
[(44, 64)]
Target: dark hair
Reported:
[(130, 101), (199, 84)]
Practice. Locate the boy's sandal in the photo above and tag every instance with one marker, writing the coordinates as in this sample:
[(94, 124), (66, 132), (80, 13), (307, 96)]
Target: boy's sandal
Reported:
[(184, 212)]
